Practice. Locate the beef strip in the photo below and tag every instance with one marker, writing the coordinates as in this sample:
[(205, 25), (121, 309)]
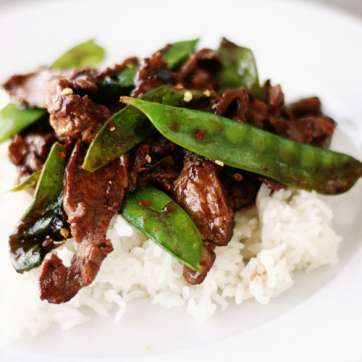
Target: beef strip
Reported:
[(200, 70), (29, 152), (66, 96), (241, 192), (234, 104), (298, 130), (274, 98), (75, 115), (162, 173), (200, 193), (207, 261), (257, 114), (152, 73), (153, 161), (311, 130), (33, 89), (90, 201), (305, 107)]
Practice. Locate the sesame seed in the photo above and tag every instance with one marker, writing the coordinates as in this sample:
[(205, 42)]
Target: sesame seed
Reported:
[(219, 163), (67, 91), (187, 97), (64, 232), (207, 93), (129, 65), (213, 106), (148, 158), (112, 126)]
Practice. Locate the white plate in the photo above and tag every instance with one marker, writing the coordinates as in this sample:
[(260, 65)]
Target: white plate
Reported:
[(310, 50)]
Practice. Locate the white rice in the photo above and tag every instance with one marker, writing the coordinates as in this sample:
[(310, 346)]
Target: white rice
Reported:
[(287, 230)]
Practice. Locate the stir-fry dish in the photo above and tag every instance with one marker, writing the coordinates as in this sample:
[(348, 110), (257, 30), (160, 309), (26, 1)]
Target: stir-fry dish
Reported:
[(176, 143)]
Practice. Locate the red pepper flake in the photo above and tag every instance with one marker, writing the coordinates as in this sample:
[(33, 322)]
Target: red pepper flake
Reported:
[(138, 170), (113, 157), (62, 154), (64, 232), (238, 177), (112, 126), (144, 148), (179, 86), (144, 203), (114, 208)]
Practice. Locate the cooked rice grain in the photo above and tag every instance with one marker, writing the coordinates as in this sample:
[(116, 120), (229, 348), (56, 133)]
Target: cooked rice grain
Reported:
[(287, 230)]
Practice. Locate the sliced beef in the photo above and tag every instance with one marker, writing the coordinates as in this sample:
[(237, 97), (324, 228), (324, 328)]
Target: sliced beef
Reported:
[(258, 114), (200, 70), (161, 146), (154, 162), (241, 191), (200, 193), (234, 104), (152, 73), (30, 152), (162, 172), (72, 113), (313, 130), (66, 96), (239, 106), (299, 130), (274, 98), (207, 261), (305, 107), (90, 201), (34, 89)]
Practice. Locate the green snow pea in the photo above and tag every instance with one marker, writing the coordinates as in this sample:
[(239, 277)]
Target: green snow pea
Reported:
[(130, 127), (29, 183), (176, 53), (14, 119), (42, 219), (83, 55), (161, 219), (238, 68), (249, 148)]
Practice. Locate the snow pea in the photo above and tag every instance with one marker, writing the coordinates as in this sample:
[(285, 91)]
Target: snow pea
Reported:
[(29, 183), (163, 221), (176, 53), (129, 127), (238, 68), (14, 119), (249, 148), (87, 54), (28, 243)]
